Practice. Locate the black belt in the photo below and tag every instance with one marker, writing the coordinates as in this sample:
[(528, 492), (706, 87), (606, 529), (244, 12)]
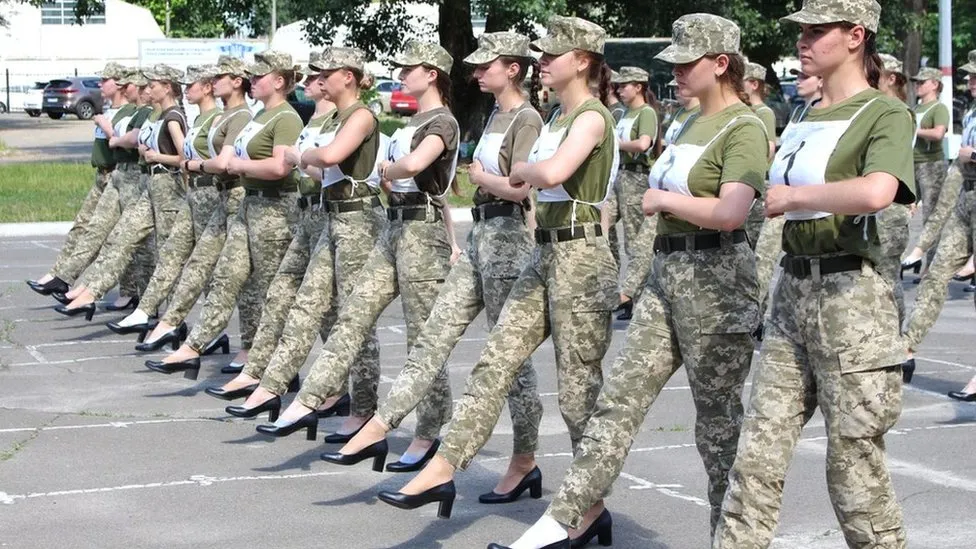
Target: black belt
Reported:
[(968, 185), (691, 242), (268, 193), (201, 180), (346, 206), (803, 267), (309, 200), (412, 214), (159, 168), (636, 168), (548, 236), (227, 185), (484, 212)]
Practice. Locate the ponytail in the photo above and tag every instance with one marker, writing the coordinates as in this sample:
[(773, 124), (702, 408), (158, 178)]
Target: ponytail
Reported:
[(599, 75), (535, 84), (873, 64), (734, 76)]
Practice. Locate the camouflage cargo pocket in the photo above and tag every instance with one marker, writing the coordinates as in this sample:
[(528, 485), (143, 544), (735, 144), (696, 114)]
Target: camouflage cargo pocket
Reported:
[(869, 397)]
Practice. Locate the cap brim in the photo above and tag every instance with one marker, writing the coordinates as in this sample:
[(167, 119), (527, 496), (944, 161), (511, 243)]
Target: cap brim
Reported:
[(969, 67), (549, 46), (257, 70), (480, 57), (805, 17), (405, 61), (678, 55)]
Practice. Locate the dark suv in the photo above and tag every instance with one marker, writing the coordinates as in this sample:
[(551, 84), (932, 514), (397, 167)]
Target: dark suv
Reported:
[(78, 95)]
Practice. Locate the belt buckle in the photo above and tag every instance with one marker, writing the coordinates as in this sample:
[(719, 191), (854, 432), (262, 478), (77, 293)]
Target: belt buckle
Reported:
[(691, 242)]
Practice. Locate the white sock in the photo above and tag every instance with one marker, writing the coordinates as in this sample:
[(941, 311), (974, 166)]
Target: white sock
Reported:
[(137, 317), (545, 531)]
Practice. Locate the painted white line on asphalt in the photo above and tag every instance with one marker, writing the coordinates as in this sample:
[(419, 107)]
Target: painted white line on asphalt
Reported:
[(947, 363), (79, 360), (24, 266), (8, 230), (198, 480), (40, 244), (113, 425), (664, 489), (32, 351)]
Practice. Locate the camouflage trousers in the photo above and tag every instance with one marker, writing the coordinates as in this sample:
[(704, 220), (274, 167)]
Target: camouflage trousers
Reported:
[(624, 205), (642, 260), (830, 343), (956, 245), (498, 250), (82, 220), (186, 229), (257, 239), (929, 178), (698, 309), (566, 290), (755, 222), (893, 231), (411, 259), (939, 216), (156, 210), (195, 276), (768, 249), (333, 272)]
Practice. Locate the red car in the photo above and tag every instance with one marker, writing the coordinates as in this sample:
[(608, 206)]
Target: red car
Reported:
[(401, 103)]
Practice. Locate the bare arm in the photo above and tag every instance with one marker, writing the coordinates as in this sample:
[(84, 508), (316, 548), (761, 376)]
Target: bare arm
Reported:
[(641, 144), (105, 124), (417, 161), (129, 140), (585, 134), (932, 134), (725, 213), (497, 185), (451, 234), (173, 160), (267, 169), (867, 194), (350, 137)]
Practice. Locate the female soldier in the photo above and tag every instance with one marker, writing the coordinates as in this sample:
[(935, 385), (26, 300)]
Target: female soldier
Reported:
[(411, 258), (568, 287), (699, 303), (499, 246), (932, 122), (259, 237), (758, 91), (831, 338)]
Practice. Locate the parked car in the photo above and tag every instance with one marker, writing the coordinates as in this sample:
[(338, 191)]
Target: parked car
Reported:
[(34, 100), (77, 95), (384, 89), (401, 103), (302, 104)]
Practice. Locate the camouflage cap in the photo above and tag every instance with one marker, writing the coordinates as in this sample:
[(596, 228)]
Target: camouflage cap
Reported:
[(234, 66), (339, 58), (492, 45), (970, 67), (571, 33), (163, 73), (416, 53), (891, 63), (629, 74), (696, 35), (755, 71), (927, 73), (270, 61), (133, 76), (112, 71), (196, 73), (820, 12)]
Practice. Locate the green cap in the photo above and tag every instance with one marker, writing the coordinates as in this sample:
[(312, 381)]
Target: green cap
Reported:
[(971, 66), (927, 73), (163, 73), (492, 45), (270, 61), (821, 12), (696, 35), (416, 53), (234, 66), (630, 74), (566, 34), (133, 76), (891, 63), (339, 58), (196, 73), (755, 71), (112, 71)]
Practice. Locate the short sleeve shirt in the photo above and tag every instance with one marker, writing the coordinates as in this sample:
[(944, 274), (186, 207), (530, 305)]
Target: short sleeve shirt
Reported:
[(646, 124), (204, 122), (436, 178), (166, 144), (282, 126), (524, 125), (931, 114), (225, 129), (360, 163)]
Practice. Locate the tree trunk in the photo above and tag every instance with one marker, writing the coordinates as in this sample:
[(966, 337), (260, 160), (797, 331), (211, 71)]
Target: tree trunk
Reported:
[(911, 37), (457, 37)]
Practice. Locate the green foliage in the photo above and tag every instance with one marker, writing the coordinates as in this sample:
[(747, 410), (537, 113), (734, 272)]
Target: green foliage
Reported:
[(43, 192)]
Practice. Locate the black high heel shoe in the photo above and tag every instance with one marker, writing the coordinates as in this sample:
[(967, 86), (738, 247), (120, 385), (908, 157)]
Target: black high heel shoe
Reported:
[(561, 544), (232, 368), (61, 298), (908, 370), (339, 409), (309, 422), (443, 494), (49, 287), (131, 304), (626, 310), (141, 329), (173, 337), (531, 482), (87, 310), (190, 368), (965, 397), (401, 467), (377, 451), (915, 266), (222, 343), (220, 393), (272, 406), (338, 438), (602, 529), (970, 278)]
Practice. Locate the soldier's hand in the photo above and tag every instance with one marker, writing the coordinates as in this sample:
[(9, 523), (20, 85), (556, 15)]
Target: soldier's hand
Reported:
[(653, 201), (292, 156), (966, 155), (235, 166), (515, 178), (779, 200), (475, 170)]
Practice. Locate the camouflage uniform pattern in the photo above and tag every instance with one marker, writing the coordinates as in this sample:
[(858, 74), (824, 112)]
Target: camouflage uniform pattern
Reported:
[(891, 63), (339, 58), (630, 74), (492, 45), (830, 342), (893, 230), (566, 34), (257, 239), (566, 290), (65, 263), (624, 205), (821, 12), (930, 177), (640, 263), (416, 53), (698, 310), (135, 279), (411, 259), (498, 249), (939, 214), (699, 34), (755, 222), (768, 249), (269, 61), (755, 71)]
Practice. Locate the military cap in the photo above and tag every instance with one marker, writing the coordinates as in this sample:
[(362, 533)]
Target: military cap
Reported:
[(927, 73), (270, 61), (112, 71), (163, 73), (755, 71), (821, 12), (339, 58), (492, 45), (416, 53), (891, 63), (309, 70), (234, 66), (970, 67), (571, 33), (696, 35), (133, 76), (630, 74), (196, 73)]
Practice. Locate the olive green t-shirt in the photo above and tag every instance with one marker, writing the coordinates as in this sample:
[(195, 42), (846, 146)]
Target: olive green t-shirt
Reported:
[(127, 111), (768, 118), (523, 125), (281, 127), (224, 130), (358, 165), (591, 180), (646, 124), (879, 140), (738, 155), (307, 185), (680, 118), (204, 121), (435, 179), (932, 114), (617, 111), (102, 154)]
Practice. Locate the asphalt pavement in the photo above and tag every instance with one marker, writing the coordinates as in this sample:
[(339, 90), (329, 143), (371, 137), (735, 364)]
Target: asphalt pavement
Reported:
[(45, 140)]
